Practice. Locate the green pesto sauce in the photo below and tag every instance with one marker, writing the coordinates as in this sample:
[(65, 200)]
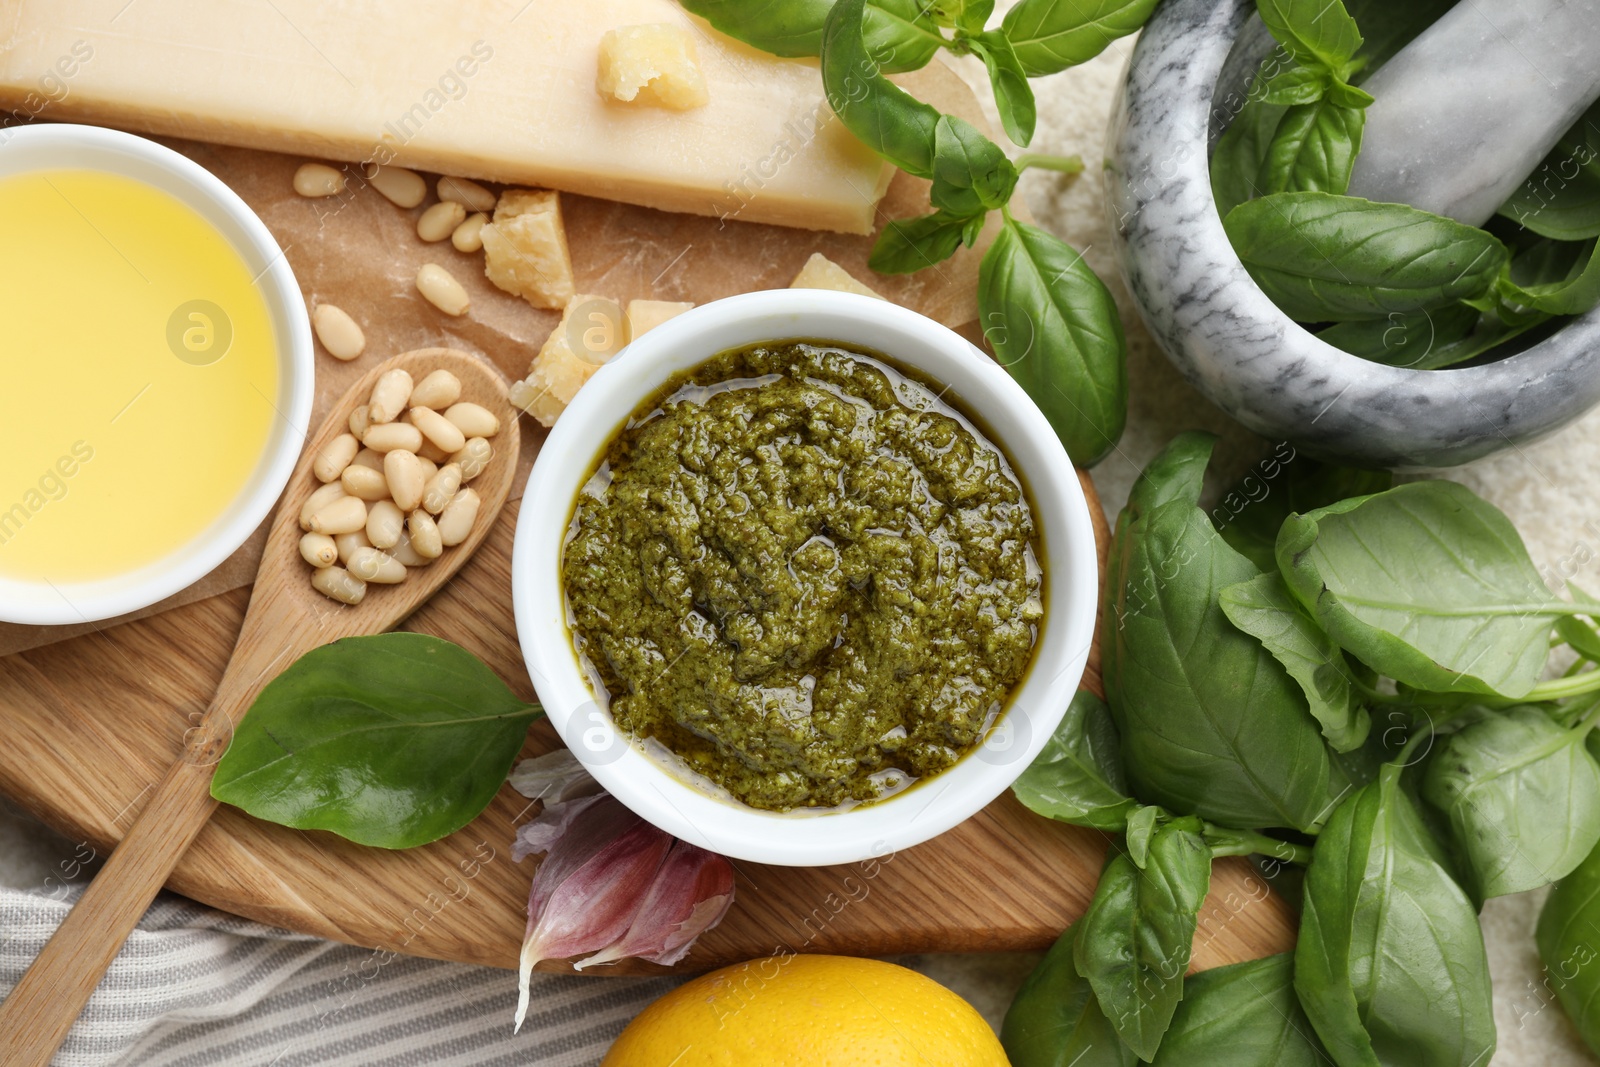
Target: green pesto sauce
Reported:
[(805, 574)]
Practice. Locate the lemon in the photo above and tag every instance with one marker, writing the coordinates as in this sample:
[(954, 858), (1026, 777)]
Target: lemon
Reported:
[(808, 1011)]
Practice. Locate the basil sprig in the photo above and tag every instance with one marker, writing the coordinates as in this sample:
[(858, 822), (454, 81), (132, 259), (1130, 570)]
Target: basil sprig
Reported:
[(1402, 287), (1367, 700), (394, 741), (1050, 320)]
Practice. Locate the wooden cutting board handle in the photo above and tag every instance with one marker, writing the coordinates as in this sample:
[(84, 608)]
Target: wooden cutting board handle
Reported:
[(35, 1017)]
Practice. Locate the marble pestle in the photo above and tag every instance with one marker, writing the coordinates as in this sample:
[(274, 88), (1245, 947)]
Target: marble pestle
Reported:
[(1465, 112)]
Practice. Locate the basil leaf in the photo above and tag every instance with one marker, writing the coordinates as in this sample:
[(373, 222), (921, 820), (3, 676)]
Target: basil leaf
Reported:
[(1077, 778), (1142, 825), (1263, 608), (1177, 473), (1566, 939), (973, 15), (394, 741), (1236, 161), (885, 117), (1390, 965), (971, 174), (1210, 723), (1579, 634), (908, 245), (1316, 32), (1428, 340), (1052, 35), (1405, 340), (1055, 328), (1250, 514), (1426, 583), (1013, 96), (1134, 941), (1296, 85), (1242, 1015), (1523, 798), (1557, 277), (1561, 199), (899, 34), (1313, 149), (1055, 1020), (1322, 258)]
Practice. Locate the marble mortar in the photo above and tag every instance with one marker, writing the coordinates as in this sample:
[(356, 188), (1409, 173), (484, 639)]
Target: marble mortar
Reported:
[(1185, 80)]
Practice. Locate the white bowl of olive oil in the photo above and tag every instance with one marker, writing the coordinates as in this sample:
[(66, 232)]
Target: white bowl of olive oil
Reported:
[(157, 373)]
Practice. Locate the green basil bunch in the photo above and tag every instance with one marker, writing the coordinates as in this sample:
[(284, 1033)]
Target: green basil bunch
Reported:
[(1362, 697), (1389, 282), (1051, 321)]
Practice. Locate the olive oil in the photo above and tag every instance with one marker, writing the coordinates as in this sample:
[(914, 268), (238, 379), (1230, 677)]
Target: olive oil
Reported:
[(138, 374)]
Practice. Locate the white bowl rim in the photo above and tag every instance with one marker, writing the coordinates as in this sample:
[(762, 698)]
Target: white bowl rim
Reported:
[(1005, 413), (92, 601)]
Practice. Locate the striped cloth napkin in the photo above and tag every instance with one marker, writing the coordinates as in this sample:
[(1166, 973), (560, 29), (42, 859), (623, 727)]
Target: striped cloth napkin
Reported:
[(195, 987)]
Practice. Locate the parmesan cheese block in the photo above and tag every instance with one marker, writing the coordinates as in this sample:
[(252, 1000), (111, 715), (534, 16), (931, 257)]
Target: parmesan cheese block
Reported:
[(642, 316), (525, 248), (653, 65), (589, 334), (820, 272), (501, 90)]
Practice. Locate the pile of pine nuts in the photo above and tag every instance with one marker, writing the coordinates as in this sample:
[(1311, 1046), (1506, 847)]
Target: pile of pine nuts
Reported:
[(393, 492)]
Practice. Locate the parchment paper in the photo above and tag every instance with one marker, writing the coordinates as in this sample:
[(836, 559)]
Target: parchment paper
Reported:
[(361, 252)]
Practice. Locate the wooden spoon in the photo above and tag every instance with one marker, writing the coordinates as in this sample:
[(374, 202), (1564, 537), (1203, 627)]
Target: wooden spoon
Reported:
[(286, 619)]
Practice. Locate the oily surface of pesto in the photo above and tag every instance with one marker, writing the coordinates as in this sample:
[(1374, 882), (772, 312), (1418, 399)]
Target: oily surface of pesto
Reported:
[(798, 569)]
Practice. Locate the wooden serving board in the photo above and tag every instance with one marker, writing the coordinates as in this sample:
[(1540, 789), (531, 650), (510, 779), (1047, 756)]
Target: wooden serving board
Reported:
[(92, 722)]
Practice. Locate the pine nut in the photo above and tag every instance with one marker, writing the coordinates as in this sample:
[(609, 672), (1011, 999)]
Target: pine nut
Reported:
[(385, 522), (440, 288), (347, 544), (360, 422), (338, 332), (438, 429), (393, 435), (437, 391), (426, 541), (339, 584), (319, 500), (429, 468), (403, 188), (473, 458), (345, 515), (467, 192), (432, 453), (455, 522), (363, 483), (441, 487), (368, 458), (389, 396), (317, 180), (318, 550), (469, 235), (440, 221), (403, 471), (473, 420), (373, 565), (407, 555), (334, 457)]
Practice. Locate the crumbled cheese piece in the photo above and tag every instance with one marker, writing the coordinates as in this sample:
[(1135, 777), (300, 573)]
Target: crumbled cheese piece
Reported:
[(645, 315), (820, 272), (654, 64), (525, 248), (590, 333)]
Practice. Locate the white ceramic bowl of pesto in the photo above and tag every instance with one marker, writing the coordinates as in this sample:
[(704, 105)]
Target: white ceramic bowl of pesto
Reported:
[(187, 556), (650, 784)]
